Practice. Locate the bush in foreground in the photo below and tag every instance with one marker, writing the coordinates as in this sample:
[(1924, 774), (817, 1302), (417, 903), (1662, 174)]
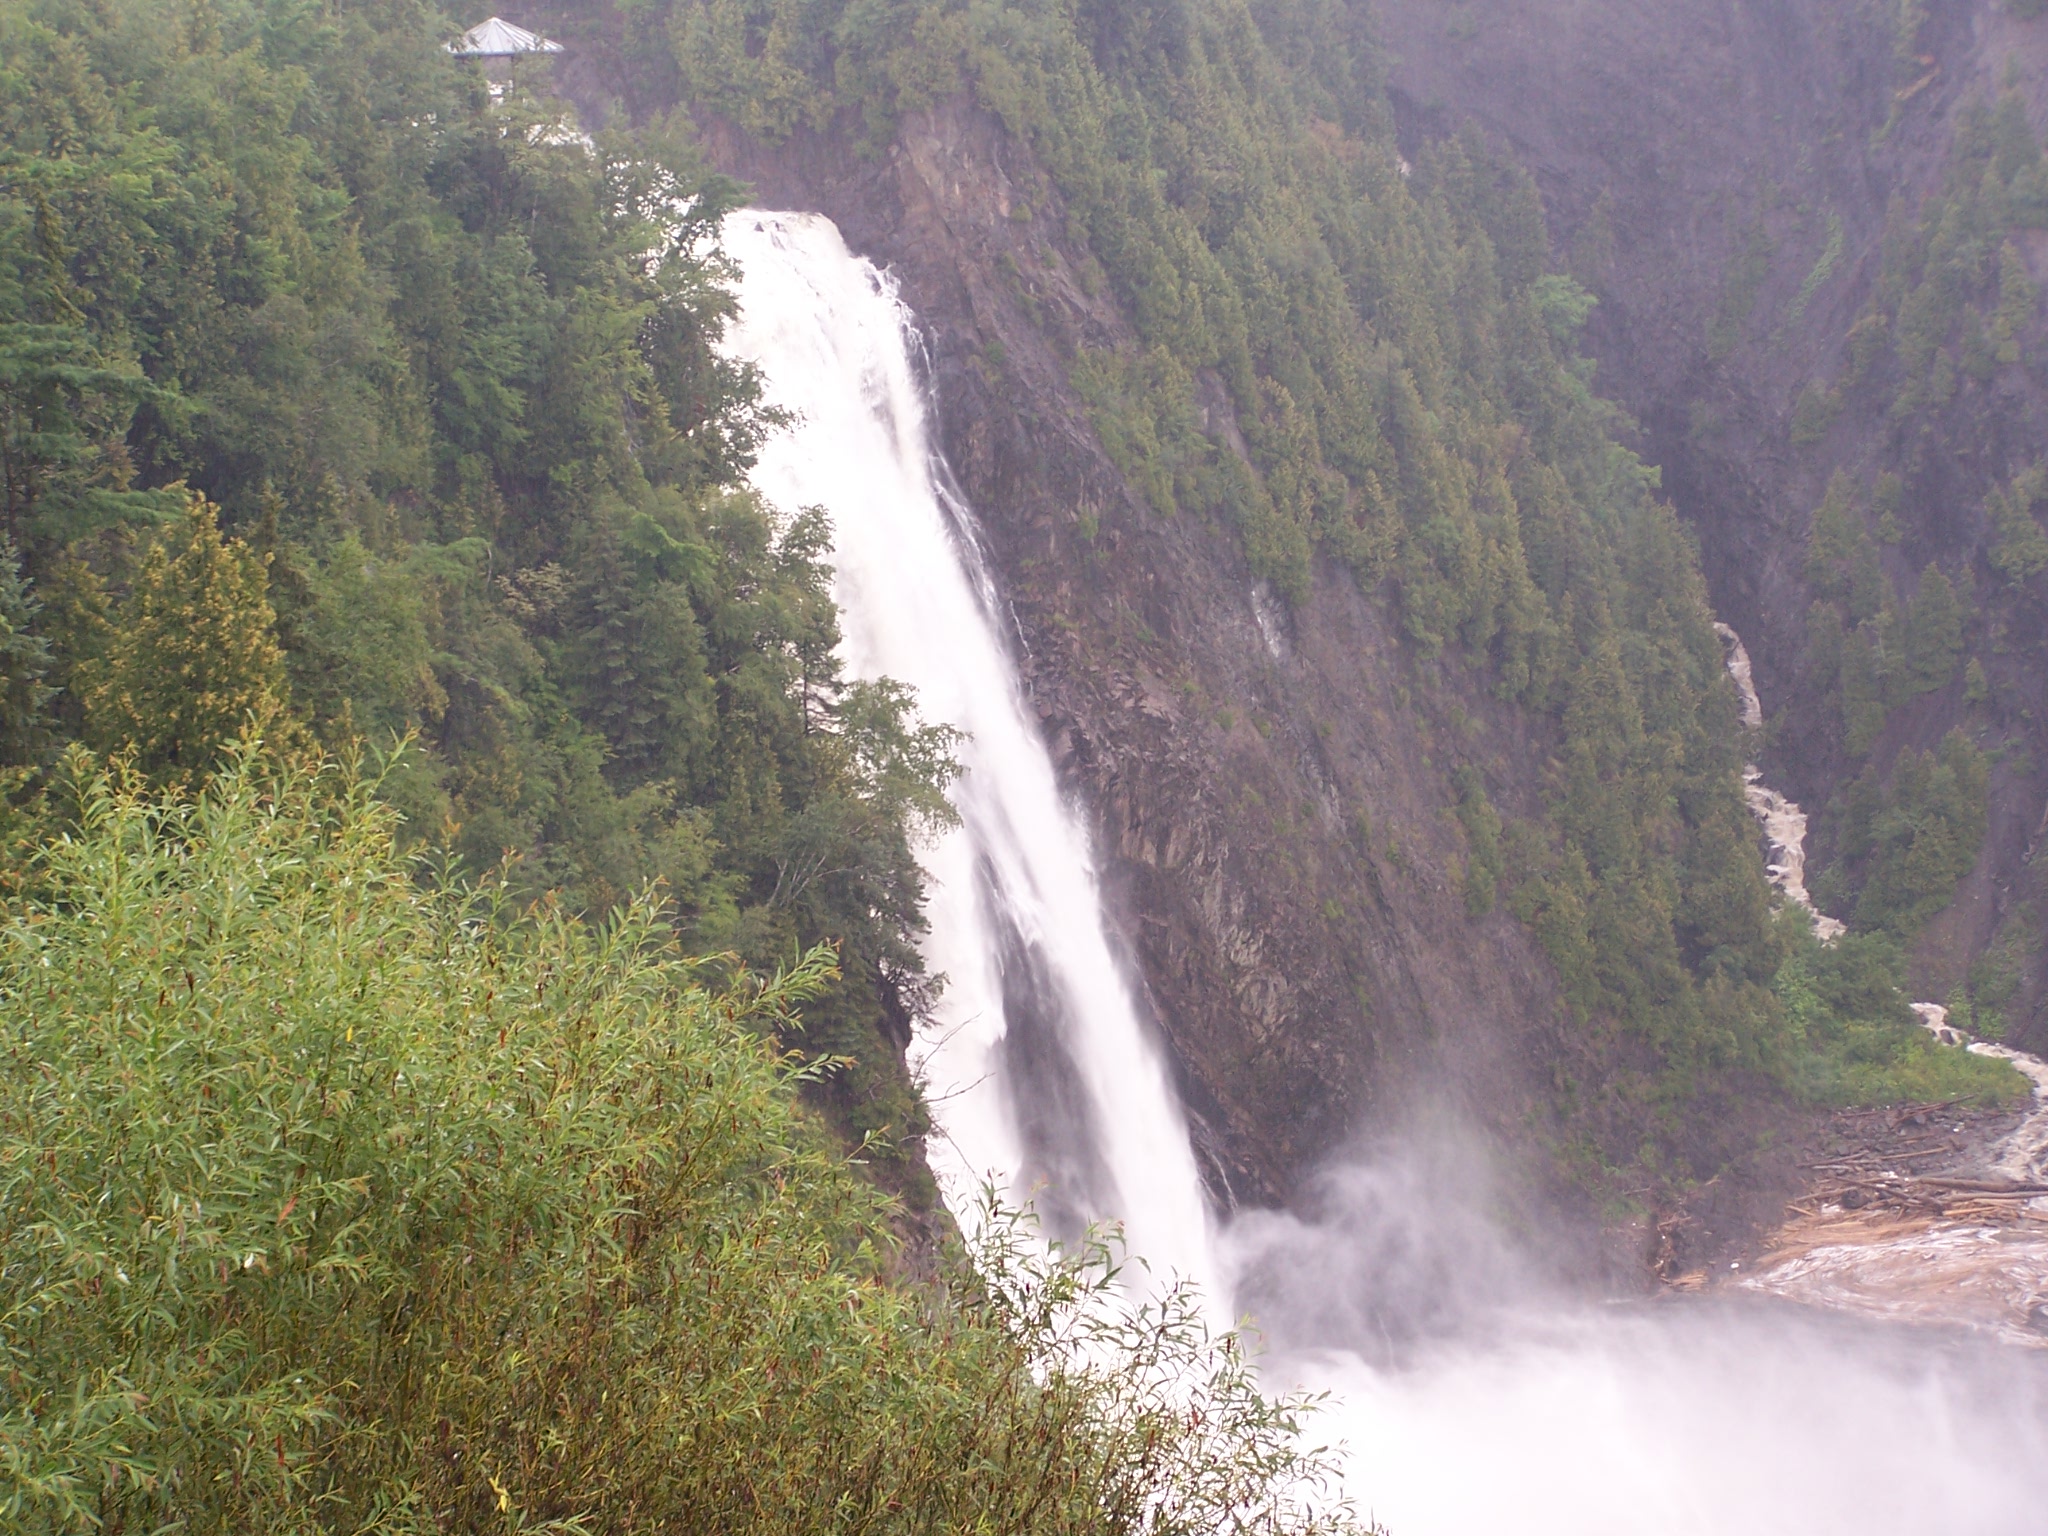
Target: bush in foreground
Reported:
[(332, 1200)]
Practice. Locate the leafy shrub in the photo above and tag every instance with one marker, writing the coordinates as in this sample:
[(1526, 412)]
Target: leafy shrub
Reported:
[(331, 1201), (1862, 1043)]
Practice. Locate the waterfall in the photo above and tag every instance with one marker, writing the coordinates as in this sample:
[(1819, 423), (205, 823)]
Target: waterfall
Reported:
[(1040, 1072), (1537, 1414)]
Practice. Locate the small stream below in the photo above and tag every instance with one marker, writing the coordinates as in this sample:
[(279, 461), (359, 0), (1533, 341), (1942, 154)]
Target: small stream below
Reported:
[(1961, 1241)]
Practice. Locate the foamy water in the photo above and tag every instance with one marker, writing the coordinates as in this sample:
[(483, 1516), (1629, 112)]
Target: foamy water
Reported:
[(1783, 822)]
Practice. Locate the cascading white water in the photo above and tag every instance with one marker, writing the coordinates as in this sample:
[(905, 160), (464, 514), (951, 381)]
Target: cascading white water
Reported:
[(1040, 1070), (1987, 1276), (1784, 823), (1534, 1413), (2025, 1155)]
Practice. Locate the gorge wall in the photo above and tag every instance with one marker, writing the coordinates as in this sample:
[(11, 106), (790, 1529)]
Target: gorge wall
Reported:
[(1274, 778), (1740, 185), (1275, 835)]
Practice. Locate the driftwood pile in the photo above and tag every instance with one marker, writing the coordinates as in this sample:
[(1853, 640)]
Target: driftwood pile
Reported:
[(1897, 1164)]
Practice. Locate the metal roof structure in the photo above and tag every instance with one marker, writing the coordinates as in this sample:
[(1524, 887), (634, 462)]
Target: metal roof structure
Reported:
[(499, 39)]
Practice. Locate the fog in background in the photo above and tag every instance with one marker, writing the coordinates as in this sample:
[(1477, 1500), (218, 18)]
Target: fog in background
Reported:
[(1479, 1395)]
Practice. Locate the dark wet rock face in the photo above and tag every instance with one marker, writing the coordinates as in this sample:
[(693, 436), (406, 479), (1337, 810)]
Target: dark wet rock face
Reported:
[(1305, 962)]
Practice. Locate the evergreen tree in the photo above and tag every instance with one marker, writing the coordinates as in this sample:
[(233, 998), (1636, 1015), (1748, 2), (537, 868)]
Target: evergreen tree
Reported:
[(1888, 500), (1934, 632), (1862, 691), (1870, 589), (1831, 541), (2019, 548), (1920, 834), (192, 661), (25, 663)]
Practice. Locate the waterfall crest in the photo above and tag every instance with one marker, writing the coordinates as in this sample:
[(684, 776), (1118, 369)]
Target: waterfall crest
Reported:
[(1040, 1072)]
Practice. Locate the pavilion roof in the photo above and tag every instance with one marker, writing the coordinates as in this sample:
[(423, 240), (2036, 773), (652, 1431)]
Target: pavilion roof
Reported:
[(497, 38)]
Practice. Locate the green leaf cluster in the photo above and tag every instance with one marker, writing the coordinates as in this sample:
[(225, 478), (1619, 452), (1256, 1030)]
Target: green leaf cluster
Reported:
[(332, 1201), (448, 371)]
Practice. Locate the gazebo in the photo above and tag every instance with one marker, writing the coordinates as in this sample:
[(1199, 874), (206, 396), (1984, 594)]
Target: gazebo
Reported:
[(499, 44)]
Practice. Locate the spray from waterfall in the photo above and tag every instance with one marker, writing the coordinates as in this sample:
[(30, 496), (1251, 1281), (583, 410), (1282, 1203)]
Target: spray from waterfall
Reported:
[(1042, 1075)]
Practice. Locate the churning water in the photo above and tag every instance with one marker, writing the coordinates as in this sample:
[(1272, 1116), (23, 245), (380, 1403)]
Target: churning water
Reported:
[(1474, 1400)]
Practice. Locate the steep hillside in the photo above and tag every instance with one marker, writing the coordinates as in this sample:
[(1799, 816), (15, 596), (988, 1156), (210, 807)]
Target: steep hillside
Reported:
[(1818, 233), (344, 401), (1388, 676), (1382, 664)]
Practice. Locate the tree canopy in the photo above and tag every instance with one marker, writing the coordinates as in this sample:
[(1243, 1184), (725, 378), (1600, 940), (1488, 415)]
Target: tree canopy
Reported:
[(338, 397), (333, 1200)]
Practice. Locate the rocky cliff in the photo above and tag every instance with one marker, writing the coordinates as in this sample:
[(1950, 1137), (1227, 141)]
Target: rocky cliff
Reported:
[(1275, 834)]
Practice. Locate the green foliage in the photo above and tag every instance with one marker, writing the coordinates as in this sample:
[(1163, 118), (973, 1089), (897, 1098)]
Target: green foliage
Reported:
[(451, 371), (1995, 975), (1823, 267), (1142, 410), (330, 1201), (25, 663), (1562, 304), (454, 374), (1917, 834), (191, 661), (2017, 297), (1361, 368), (63, 413), (1371, 369), (1888, 500), (1862, 690), (2019, 548), (1831, 541), (1740, 286), (1976, 686), (1863, 653), (1934, 633), (1845, 1002), (1482, 837), (1813, 412), (1953, 286)]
